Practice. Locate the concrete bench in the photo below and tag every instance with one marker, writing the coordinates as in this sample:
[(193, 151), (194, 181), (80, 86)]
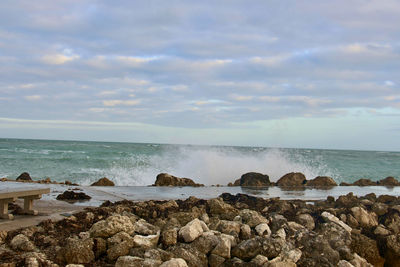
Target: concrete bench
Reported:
[(7, 196)]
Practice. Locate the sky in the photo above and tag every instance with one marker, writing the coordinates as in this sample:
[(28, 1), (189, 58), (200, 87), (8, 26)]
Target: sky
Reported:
[(312, 74)]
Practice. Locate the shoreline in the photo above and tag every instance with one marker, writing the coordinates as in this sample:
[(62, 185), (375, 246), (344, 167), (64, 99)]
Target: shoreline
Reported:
[(236, 229)]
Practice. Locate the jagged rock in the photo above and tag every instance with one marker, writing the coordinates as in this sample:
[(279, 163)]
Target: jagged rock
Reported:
[(364, 182), (190, 255), (389, 181), (259, 260), (228, 227), (263, 229), (292, 179), (79, 251), (224, 210), (364, 218), (367, 248), (392, 252), (3, 236), (31, 262), (206, 242), (119, 245), (73, 196), (100, 247), (192, 230), (379, 208), (359, 261), (279, 262), (24, 177), (129, 261), (144, 228), (103, 182), (348, 200), (344, 263), (165, 179), (245, 232), (112, 225), (252, 217), (293, 255), (321, 181), (380, 230), (21, 242), (307, 220), (247, 249), (254, 179), (331, 218), (169, 237), (149, 241), (215, 260), (175, 262), (223, 248)]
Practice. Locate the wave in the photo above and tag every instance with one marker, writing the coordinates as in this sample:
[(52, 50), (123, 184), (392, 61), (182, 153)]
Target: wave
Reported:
[(212, 165)]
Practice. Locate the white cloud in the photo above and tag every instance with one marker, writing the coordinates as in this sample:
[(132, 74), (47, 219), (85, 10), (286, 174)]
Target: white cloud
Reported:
[(58, 59), (33, 97), (113, 103)]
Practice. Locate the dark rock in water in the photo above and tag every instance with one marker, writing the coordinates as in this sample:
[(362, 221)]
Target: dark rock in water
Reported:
[(73, 196), (103, 182), (364, 182), (389, 181), (24, 177), (345, 184), (165, 179), (254, 179), (322, 181), (292, 179)]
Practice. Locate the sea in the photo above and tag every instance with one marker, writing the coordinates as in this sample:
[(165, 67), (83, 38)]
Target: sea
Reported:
[(137, 164)]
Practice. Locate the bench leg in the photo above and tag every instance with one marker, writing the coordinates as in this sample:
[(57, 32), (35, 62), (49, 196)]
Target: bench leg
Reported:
[(4, 209), (28, 205)]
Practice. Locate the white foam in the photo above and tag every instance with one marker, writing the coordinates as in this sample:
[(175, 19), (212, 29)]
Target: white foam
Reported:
[(213, 165)]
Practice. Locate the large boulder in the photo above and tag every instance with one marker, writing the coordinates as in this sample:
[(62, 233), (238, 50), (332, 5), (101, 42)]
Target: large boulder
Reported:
[(389, 181), (112, 225), (364, 218), (103, 182), (293, 179), (364, 182), (192, 230), (321, 181), (165, 179), (254, 179), (21, 242), (248, 249), (24, 177)]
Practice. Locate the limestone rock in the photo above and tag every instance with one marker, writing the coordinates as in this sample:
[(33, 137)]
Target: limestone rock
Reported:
[(169, 237), (219, 207), (119, 245), (21, 242), (192, 230), (359, 261), (79, 251), (215, 260), (263, 229), (144, 228), (364, 218), (112, 225), (223, 248), (175, 262), (228, 227), (307, 220), (247, 249), (245, 232), (103, 182), (129, 261), (149, 241), (252, 217), (329, 217)]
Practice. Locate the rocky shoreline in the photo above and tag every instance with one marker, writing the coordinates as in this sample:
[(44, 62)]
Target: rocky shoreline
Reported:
[(232, 230)]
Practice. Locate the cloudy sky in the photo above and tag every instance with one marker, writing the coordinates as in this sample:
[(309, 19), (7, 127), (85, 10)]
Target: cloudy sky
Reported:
[(321, 74)]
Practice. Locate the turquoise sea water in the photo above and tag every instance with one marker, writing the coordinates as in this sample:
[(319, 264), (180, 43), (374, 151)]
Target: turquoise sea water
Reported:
[(136, 164)]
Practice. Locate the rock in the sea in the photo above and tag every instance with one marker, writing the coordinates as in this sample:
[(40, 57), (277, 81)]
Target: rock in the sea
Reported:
[(174, 262), (165, 179), (321, 181), (73, 196), (254, 179), (103, 182), (293, 179), (21, 242), (192, 230), (389, 181), (79, 251), (364, 182), (24, 177), (112, 225)]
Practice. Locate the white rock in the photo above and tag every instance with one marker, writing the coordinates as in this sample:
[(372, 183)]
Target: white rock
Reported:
[(21, 242), (175, 262), (192, 230), (344, 263), (112, 225), (129, 261), (359, 261), (365, 218), (149, 241), (332, 218), (263, 229), (223, 248)]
